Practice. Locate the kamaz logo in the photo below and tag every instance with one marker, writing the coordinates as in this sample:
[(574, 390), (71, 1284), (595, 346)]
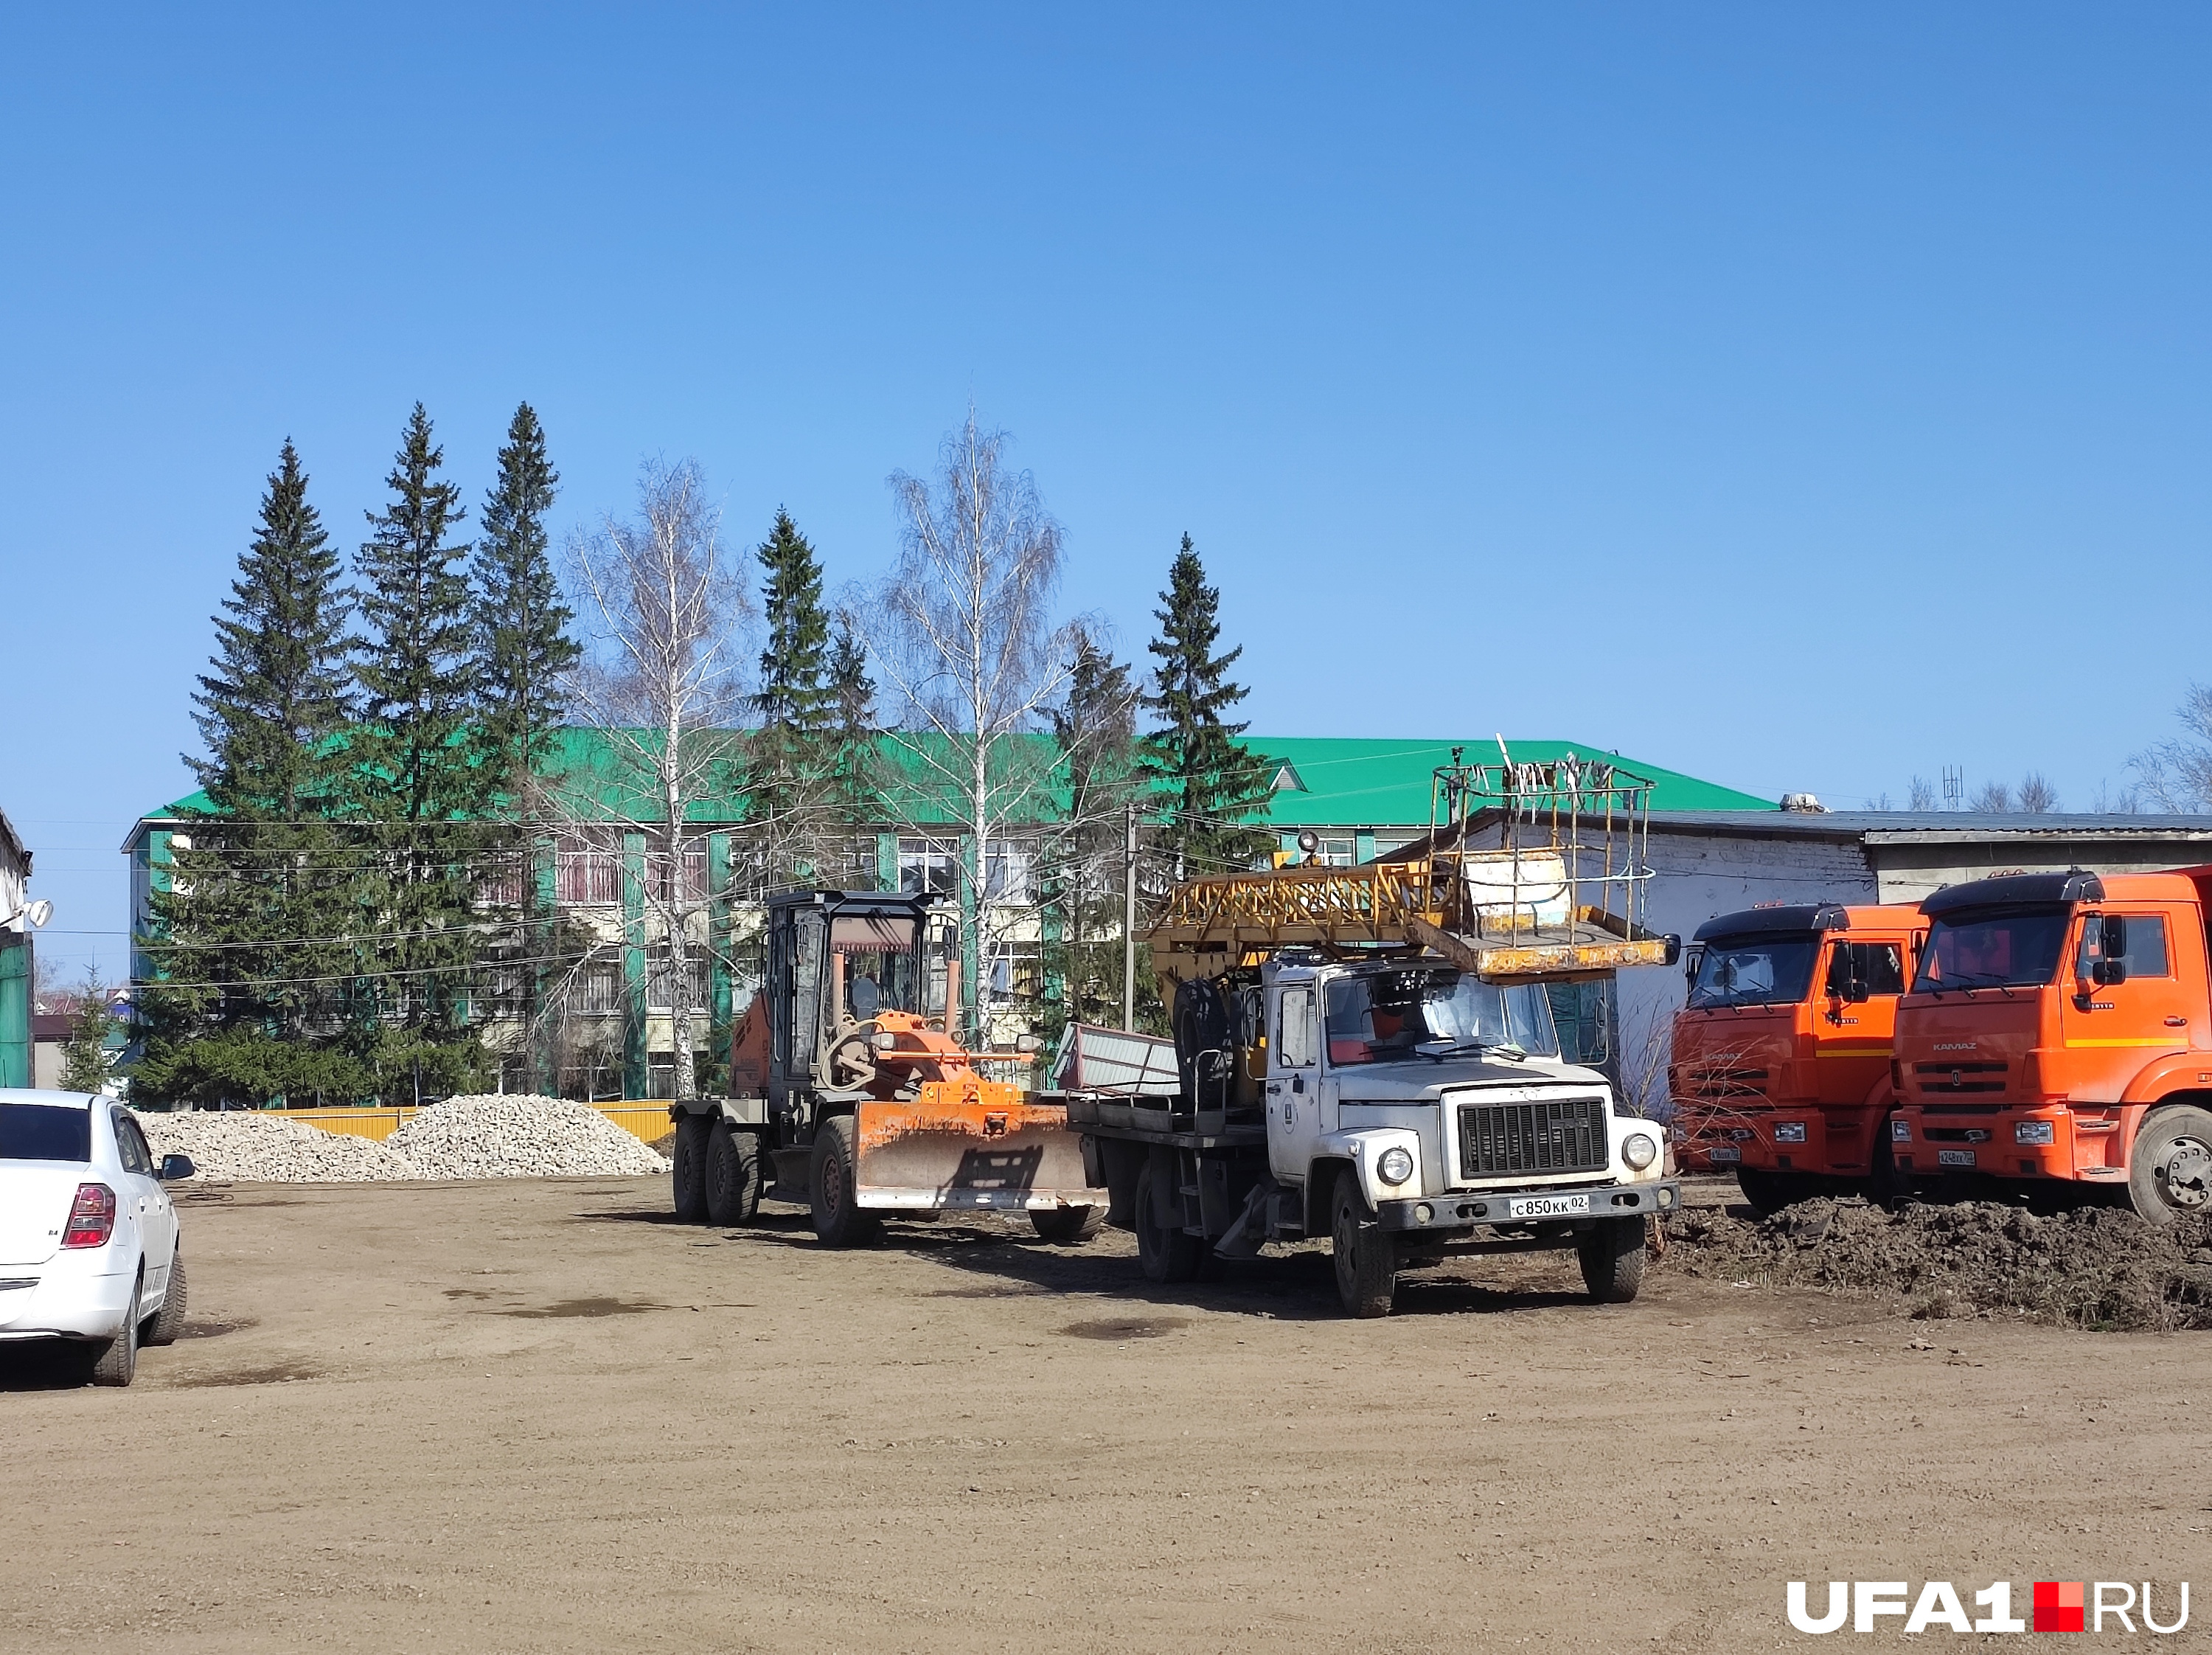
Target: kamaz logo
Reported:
[(1955, 1045)]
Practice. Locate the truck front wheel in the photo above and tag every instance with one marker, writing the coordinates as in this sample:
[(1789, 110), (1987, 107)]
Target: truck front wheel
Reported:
[(690, 1175), (839, 1220), (1769, 1192), (733, 1176), (1612, 1255), (1366, 1255), (2170, 1168)]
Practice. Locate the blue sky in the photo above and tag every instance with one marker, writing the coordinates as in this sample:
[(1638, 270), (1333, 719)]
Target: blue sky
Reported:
[(1798, 397)]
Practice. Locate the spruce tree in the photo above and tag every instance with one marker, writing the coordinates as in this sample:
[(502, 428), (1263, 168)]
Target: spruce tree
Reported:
[(524, 652), (523, 649), (84, 1054), (1094, 728), (853, 765), (249, 941), (791, 753), (419, 780), (1208, 781), (278, 690)]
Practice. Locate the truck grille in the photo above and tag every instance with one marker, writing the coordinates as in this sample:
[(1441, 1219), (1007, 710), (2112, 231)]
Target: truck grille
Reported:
[(1951, 1077), (1563, 1135), (1720, 1085)]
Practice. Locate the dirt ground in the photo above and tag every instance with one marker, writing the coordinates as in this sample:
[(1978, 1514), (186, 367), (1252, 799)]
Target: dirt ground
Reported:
[(542, 1416)]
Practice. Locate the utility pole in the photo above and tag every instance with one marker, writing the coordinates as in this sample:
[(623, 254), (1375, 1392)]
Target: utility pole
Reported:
[(1129, 917)]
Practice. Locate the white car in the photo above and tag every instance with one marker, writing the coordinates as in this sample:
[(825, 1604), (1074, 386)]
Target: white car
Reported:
[(89, 1247)]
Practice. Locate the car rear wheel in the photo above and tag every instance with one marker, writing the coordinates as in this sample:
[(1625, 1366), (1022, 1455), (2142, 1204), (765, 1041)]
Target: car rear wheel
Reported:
[(733, 1175), (117, 1364), (839, 1220), (2170, 1167), (690, 1175), (168, 1322), (1612, 1255)]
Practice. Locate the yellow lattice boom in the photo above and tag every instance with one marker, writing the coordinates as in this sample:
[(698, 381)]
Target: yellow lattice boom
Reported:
[(1501, 926)]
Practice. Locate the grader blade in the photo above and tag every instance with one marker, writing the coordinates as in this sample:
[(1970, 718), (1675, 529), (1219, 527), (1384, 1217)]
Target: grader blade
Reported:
[(958, 1156)]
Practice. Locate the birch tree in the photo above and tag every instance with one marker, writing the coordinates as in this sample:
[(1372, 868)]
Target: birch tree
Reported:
[(662, 684), (964, 640)]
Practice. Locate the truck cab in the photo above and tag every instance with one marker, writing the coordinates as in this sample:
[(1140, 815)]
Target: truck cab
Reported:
[(2058, 1030), (1403, 1108), (1780, 1068), (1425, 1085)]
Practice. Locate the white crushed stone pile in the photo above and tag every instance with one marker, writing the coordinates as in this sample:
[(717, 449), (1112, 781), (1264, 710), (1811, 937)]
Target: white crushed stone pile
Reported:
[(260, 1146), (517, 1135)]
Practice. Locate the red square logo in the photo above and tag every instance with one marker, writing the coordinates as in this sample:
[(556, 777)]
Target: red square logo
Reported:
[(2059, 1606)]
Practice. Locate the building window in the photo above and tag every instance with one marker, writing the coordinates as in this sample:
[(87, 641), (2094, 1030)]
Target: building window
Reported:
[(1010, 874), (1016, 973), (587, 876), (695, 873), (596, 989), (930, 865), (1336, 850), (661, 981), (502, 883)]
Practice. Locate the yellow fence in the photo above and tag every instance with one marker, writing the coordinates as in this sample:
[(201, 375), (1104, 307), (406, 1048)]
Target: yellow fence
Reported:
[(645, 1120)]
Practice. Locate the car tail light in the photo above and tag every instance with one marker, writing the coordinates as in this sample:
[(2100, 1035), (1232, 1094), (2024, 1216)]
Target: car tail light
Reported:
[(92, 1217)]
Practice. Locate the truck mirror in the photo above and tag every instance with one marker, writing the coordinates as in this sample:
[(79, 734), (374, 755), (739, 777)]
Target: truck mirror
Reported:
[(2113, 944), (2110, 972), (1856, 991)]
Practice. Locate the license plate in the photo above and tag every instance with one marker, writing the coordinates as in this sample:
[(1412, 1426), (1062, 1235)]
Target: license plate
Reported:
[(1954, 1157), (1548, 1206), (1727, 1152)]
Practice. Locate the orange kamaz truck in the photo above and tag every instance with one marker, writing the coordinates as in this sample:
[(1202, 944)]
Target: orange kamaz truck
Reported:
[(1780, 1069), (2058, 1031)]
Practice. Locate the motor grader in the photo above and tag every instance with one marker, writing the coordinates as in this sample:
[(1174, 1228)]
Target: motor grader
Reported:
[(846, 1094)]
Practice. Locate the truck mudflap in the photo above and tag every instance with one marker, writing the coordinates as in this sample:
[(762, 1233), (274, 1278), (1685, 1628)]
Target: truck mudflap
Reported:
[(969, 1156), (1510, 1207)]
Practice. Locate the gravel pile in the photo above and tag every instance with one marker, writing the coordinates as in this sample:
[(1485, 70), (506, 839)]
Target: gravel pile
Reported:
[(519, 1136), (2094, 1266), (261, 1147)]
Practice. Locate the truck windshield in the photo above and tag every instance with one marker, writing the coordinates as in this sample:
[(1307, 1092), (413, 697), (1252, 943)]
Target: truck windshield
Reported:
[(1992, 950), (40, 1132), (1763, 970), (1390, 1017)]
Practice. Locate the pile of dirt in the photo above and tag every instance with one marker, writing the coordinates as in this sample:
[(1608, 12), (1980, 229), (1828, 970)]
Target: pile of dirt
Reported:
[(2098, 1267)]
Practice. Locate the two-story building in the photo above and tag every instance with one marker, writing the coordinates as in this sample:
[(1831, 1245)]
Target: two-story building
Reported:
[(611, 998)]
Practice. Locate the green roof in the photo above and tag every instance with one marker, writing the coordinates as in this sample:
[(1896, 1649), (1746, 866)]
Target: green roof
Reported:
[(1347, 781), (1321, 780)]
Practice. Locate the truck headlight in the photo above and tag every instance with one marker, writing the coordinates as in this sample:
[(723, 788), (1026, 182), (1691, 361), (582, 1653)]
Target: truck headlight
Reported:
[(2031, 1132), (1789, 1132), (1639, 1150), (1395, 1164), (1901, 1131)]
